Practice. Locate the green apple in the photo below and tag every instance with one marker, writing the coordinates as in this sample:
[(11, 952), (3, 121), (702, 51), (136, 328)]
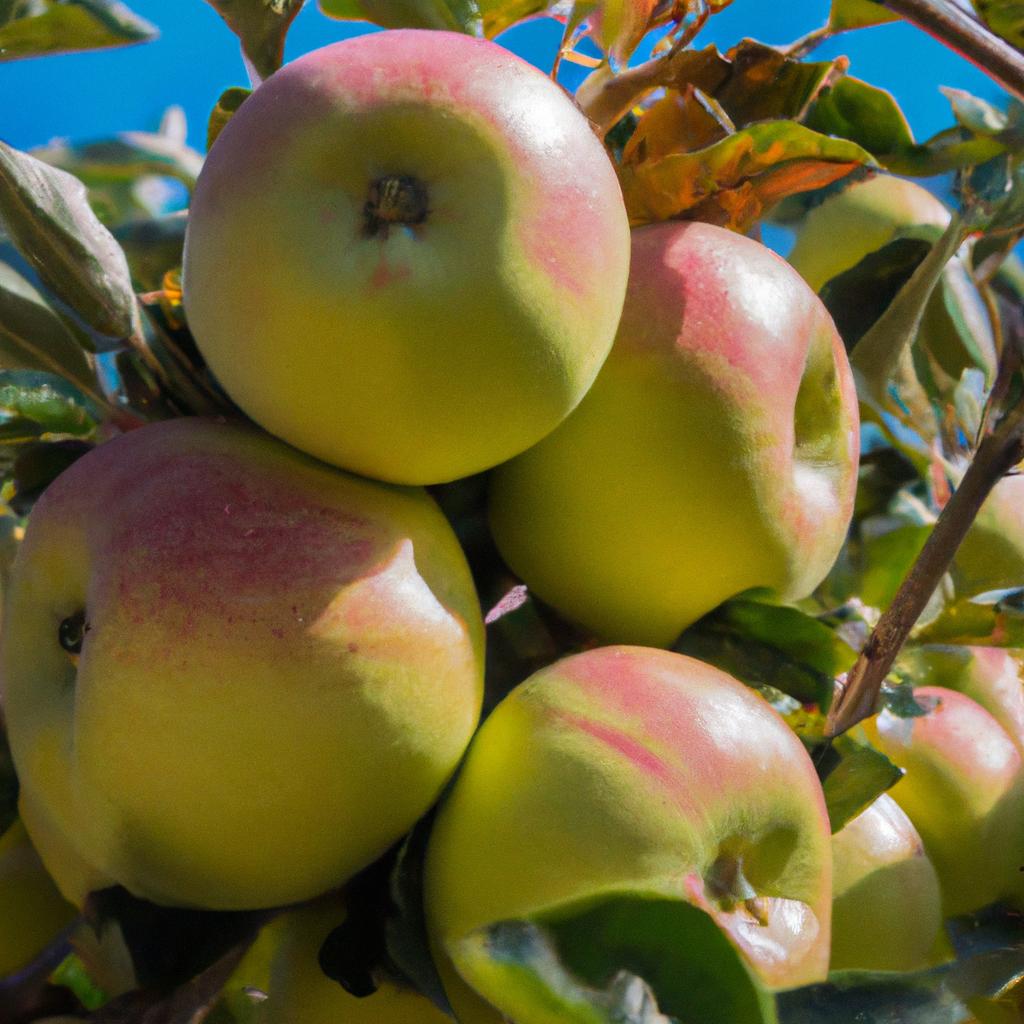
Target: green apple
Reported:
[(233, 675), (886, 904), (406, 255), (715, 453), (284, 967), (964, 792), (32, 911), (991, 556), (634, 772), (992, 676), (866, 216)]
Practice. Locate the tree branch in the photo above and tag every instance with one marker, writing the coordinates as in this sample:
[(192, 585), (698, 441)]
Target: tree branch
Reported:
[(857, 697), (951, 25)]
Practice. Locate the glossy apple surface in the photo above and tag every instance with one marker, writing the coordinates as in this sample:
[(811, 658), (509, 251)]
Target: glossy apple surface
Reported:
[(278, 667), (716, 452), (630, 770), (886, 904), (406, 255), (964, 792), (32, 911)]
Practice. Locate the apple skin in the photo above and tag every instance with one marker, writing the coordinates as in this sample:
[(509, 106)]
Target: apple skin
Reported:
[(886, 904), (716, 451), (991, 676), (866, 216), (32, 911), (284, 964), (991, 556), (281, 668), (633, 770), (431, 350), (964, 792)]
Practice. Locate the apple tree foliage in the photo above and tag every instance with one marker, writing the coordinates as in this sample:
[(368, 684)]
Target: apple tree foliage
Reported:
[(93, 341)]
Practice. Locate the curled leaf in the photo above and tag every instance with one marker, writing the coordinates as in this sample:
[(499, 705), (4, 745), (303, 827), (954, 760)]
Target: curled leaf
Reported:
[(261, 25)]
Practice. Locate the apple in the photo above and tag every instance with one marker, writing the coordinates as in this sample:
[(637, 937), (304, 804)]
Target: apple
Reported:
[(233, 675), (866, 216), (715, 453), (406, 255), (964, 792), (628, 771), (284, 966), (886, 904), (32, 911), (992, 676), (991, 556)]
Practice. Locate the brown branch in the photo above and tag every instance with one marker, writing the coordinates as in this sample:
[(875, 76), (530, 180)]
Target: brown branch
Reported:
[(857, 697), (951, 25)]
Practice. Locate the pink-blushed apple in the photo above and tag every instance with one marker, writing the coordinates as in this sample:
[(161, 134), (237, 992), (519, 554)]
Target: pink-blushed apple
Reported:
[(992, 676), (406, 255), (32, 911), (964, 792), (233, 676), (715, 453), (632, 771), (886, 903)]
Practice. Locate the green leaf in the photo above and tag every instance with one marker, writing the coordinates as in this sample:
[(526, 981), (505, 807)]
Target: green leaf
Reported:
[(47, 215), (867, 115), (853, 776), (74, 975), (228, 104), (849, 14), (771, 645), (33, 28), (261, 25), (33, 336), (153, 247), (450, 15), (1005, 18), (57, 406), (37, 465)]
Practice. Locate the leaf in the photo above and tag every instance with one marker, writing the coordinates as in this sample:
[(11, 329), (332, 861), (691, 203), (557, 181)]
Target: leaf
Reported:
[(74, 975), (1005, 18), (38, 27), (849, 14), (33, 336), (734, 181), (977, 621), (864, 114), (449, 15), (47, 214), (57, 406), (228, 104), (261, 25), (37, 465), (153, 247), (771, 645), (853, 776)]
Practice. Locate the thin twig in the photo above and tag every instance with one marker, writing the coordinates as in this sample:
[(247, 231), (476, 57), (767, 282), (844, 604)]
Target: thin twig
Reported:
[(857, 697), (801, 47)]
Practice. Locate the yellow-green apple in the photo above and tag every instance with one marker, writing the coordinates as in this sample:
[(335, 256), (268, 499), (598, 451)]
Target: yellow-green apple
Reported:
[(634, 772), (991, 556), (992, 676), (964, 792), (233, 675), (716, 451), (406, 255), (284, 967), (866, 216), (886, 905), (32, 911)]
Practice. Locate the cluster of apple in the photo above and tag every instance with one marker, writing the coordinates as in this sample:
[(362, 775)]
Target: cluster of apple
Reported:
[(238, 668)]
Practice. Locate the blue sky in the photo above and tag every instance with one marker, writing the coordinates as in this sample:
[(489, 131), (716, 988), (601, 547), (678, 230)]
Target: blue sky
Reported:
[(83, 96)]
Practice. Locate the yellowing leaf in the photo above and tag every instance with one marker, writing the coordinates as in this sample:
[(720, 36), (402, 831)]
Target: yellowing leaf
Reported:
[(847, 14)]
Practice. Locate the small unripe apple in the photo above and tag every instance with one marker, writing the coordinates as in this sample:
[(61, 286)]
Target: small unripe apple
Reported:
[(991, 556), (886, 904), (406, 255), (632, 771), (716, 451), (964, 792), (32, 911), (233, 676), (866, 216)]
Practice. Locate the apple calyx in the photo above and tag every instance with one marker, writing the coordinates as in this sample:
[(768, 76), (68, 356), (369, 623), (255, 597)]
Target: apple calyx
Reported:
[(394, 199), (71, 632)]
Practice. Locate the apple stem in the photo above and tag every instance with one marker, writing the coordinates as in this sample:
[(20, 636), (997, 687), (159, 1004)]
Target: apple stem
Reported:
[(856, 697), (960, 30)]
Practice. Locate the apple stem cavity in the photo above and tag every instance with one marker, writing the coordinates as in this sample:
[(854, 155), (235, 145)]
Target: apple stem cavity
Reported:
[(394, 199)]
